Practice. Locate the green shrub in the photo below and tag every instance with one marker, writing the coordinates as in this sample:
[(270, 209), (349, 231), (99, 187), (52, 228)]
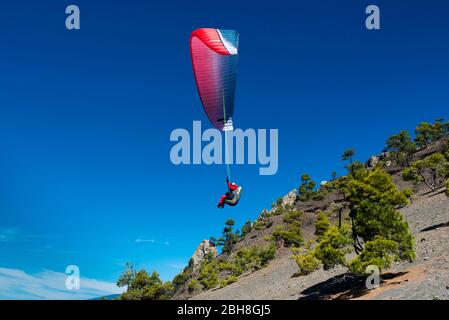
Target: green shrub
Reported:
[(193, 286), (254, 258), (290, 236), (148, 287), (245, 259), (322, 224), (319, 195), (259, 225), (408, 193), (379, 252), (227, 281), (333, 247), (307, 262), (180, 279), (292, 216), (211, 281), (277, 211), (263, 223), (409, 174), (266, 255), (447, 187), (246, 228), (208, 275)]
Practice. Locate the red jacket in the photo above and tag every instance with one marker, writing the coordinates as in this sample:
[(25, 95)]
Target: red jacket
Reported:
[(231, 187)]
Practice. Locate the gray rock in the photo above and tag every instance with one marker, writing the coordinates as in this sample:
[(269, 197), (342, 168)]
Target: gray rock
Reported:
[(203, 250), (290, 198)]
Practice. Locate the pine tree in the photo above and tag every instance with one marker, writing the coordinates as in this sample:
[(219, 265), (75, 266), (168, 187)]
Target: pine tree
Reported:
[(401, 147), (373, 200), (352, 166), (334, 175), (307, 188), (430, 170), (148, 287), (427, 132), (127, 276), (423, 133), (229, 238), (246, 228), (322, 225), (348, 155)]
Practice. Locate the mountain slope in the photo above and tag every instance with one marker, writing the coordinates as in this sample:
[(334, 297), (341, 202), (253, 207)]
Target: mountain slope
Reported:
[(425, 278)]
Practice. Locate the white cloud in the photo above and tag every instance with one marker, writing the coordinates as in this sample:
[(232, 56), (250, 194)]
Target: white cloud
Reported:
[(9, 234), (152, 241), (49, 285)]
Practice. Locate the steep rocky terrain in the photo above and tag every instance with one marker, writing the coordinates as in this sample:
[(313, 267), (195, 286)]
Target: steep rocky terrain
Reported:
[(427, 277)]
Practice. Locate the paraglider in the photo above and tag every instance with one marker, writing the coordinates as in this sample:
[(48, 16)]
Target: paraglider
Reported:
[(232, 196), (214, 54)]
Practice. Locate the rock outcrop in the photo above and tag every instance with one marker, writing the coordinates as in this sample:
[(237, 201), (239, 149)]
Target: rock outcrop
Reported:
[(203, 250), (372, 162), (290, 198)]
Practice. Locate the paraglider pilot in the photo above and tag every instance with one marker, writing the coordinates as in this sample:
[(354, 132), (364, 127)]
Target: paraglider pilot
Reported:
[(230, 195)]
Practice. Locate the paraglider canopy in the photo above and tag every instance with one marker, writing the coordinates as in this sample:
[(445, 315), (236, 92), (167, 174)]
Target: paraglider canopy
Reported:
[(214, 54)]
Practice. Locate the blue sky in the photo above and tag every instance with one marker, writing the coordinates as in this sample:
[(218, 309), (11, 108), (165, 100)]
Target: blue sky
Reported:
[(85, 119)]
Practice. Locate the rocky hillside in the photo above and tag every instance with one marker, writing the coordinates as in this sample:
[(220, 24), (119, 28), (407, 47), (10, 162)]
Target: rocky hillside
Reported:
[(427, 277)]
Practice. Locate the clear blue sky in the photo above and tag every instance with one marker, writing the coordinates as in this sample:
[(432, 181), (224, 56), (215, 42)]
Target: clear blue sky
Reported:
[(85, 117)]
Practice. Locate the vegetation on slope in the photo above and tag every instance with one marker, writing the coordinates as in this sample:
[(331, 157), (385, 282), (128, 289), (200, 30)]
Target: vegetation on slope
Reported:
[(144, 286), (370, 230), (223, 271), (291, 234)]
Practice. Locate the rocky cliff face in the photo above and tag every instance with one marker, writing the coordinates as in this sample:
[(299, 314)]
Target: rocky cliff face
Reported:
[(201, 251)]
